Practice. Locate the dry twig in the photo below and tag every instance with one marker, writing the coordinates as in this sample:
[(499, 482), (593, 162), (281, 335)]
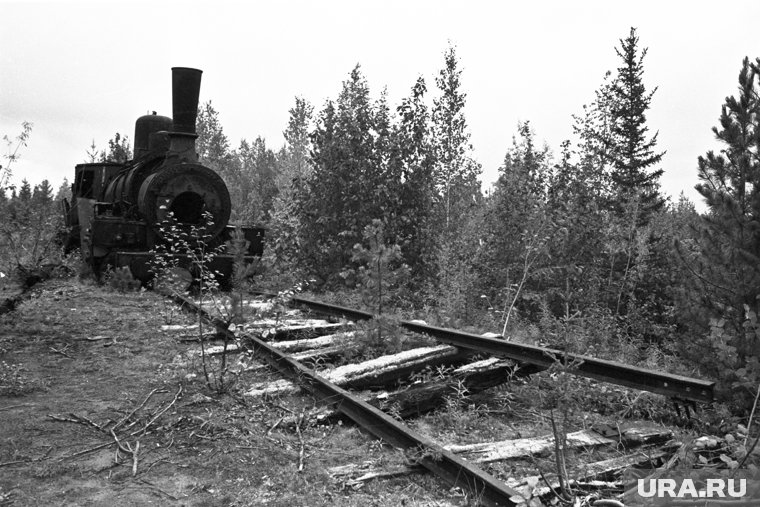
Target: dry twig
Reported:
[(126, 417), (271, 428), (160, 413), (127, 450), (61, 351), (300, 440)]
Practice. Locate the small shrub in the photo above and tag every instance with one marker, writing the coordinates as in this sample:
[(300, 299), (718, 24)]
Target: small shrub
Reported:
[(377, 337), (186, 252)]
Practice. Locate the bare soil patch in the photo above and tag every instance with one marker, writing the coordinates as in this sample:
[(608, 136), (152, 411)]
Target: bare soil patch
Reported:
[(77, 361)]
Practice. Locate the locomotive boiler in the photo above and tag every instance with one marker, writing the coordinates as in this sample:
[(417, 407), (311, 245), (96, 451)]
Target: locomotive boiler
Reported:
[(118, 209)]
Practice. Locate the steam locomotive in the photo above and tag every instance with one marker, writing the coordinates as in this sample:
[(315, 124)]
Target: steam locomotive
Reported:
[(117, 209)]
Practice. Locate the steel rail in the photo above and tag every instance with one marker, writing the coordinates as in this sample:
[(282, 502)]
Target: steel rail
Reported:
[(668, 384), (450, 467)]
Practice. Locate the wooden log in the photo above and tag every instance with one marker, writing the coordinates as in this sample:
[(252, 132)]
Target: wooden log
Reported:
[(271, 330), (488, 452), (586, 476), (495, 451), (422, 397), (308, 356), (354, 474), (378, 370), (292, 346), (288, 346)]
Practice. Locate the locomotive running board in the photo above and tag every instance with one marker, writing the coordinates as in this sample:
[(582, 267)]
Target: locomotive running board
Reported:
[(668, 384), (451, 468)]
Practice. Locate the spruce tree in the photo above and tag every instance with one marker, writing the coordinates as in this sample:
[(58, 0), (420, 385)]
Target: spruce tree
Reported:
[(43, 193), (25, 192), (631, 151)]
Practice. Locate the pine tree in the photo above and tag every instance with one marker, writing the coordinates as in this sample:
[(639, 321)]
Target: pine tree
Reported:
[(722, 297), (631, 151), (730, 185)]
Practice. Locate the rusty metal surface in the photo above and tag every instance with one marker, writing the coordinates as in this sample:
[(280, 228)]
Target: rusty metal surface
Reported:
[(451, 468), (186, 87), (668, 384)]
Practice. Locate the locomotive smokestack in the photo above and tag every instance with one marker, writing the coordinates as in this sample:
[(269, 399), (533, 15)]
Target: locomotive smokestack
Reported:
[(186, 87)]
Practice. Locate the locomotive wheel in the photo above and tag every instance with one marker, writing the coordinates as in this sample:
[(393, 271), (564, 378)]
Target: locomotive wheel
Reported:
[(186, 190)]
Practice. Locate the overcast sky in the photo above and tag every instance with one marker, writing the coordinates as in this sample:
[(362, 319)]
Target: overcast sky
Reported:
[(81, 71)]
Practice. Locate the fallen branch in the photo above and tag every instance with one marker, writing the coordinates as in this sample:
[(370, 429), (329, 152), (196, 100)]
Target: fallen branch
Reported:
[(79, 419), (97, 338), (16, 406), (126, 417), (126, 447), (159, 414), (86, 451), (127, 450), (61, 351), (303, 446), (8, 463)]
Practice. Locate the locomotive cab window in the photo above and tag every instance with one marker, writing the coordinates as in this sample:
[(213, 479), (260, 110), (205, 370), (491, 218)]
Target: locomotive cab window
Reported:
[(83, 183)]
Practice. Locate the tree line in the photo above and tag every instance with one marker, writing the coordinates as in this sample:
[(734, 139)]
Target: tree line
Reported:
[(578, 248)]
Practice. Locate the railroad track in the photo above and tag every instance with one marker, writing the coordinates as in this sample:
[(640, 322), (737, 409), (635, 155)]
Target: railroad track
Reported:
[(296, 343)]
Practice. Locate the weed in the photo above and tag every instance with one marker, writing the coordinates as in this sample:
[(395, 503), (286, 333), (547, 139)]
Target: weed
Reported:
[(15, 380)]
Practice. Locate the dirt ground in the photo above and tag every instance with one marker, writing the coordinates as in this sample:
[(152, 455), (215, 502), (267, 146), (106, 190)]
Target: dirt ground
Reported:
[(81, 363)]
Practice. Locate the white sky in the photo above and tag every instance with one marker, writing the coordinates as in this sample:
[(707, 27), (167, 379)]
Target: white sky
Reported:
[(81, 71)]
